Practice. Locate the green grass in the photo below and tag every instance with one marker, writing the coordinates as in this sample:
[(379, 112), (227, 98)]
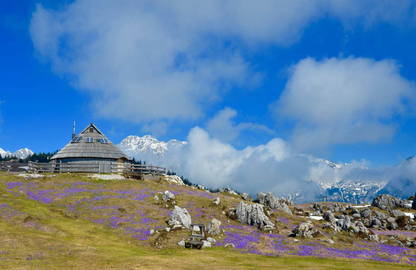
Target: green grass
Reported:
[(62, 241)]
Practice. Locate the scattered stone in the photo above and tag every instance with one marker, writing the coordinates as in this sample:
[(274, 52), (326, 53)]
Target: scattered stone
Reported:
[(269, 200), (253, 214), (201, 187), (388, 202), (216, 201), (229, 245), (181, 243), (329, 216), (375, 223), (345, 223), (391, 223), (231, 213), (245, 197), (330, 241), (381, 215), (331, 226), (173, 179), (305, 230), (373, 237), (179, 218), (366, 213), (228, 190), (396, 213), (214, 227), (361, 229), (168, 196), (211, 240), (206, 244), (152, 232), (167, 229)]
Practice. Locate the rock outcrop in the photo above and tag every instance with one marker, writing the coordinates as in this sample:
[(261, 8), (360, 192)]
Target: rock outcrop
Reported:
[(180, 218), (269, 200), (173, 179), (216, 201), (253, 214), (214, 227), (388, 202), (305, 230)]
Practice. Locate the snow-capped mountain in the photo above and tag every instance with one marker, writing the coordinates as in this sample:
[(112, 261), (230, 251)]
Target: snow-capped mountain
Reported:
[(21, 153), (346, 182), (148, 148)]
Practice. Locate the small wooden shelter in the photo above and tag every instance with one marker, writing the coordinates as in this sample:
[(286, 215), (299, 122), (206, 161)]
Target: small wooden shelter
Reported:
[(89, 149)]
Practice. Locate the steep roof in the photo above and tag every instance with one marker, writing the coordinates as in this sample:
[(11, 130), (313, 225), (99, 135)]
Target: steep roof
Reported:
[(90, 143)]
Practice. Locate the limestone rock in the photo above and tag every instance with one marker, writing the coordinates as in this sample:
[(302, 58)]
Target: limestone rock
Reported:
[(388, 202), (214, 227), (173, 179), (168, 196), (375, 223), (373, 237), (211, 240), (329, 216), (345, 224), (396, 213), (253, 214), (245, 197), (229, 191), (180, 217), (181, 243), (391, 223), (305, 230), (206, 244), (269, 200), (366, 213), (216, 201)]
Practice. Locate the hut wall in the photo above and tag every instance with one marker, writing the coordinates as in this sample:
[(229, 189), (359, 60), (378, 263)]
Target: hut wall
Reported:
[(88, 165)]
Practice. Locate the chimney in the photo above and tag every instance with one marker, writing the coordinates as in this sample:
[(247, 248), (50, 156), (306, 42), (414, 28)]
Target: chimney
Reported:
[(73, 130)]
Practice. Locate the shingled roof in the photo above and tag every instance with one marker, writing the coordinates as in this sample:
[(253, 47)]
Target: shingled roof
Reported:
[(90, 143)]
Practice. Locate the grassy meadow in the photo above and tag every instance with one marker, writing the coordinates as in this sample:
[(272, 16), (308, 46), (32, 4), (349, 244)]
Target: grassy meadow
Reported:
[(71, 221)]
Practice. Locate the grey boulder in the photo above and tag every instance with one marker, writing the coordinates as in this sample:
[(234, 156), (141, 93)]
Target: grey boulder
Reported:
[(253, 214), (388, 202), (180, 218)]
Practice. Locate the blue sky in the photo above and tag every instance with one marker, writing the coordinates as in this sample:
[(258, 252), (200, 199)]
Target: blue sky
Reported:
[(85, 70)]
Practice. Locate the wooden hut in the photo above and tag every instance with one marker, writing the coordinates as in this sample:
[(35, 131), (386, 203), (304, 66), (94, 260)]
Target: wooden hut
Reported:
[(89, 151)]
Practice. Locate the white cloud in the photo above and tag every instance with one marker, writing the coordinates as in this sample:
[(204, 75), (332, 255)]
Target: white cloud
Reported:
[(344, 101), (222, 126), (158, 60), (270, 167)]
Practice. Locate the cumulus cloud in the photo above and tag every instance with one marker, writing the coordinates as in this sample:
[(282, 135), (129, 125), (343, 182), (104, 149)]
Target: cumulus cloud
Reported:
[(272, 167), (348, 100), (269, 167), (156, 60), (222, 126)]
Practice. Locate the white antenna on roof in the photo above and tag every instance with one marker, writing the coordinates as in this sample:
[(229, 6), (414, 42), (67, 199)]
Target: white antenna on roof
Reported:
[(73, 130)]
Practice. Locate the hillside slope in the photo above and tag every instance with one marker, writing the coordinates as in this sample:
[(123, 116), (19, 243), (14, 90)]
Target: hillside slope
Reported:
[(74, 222)]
